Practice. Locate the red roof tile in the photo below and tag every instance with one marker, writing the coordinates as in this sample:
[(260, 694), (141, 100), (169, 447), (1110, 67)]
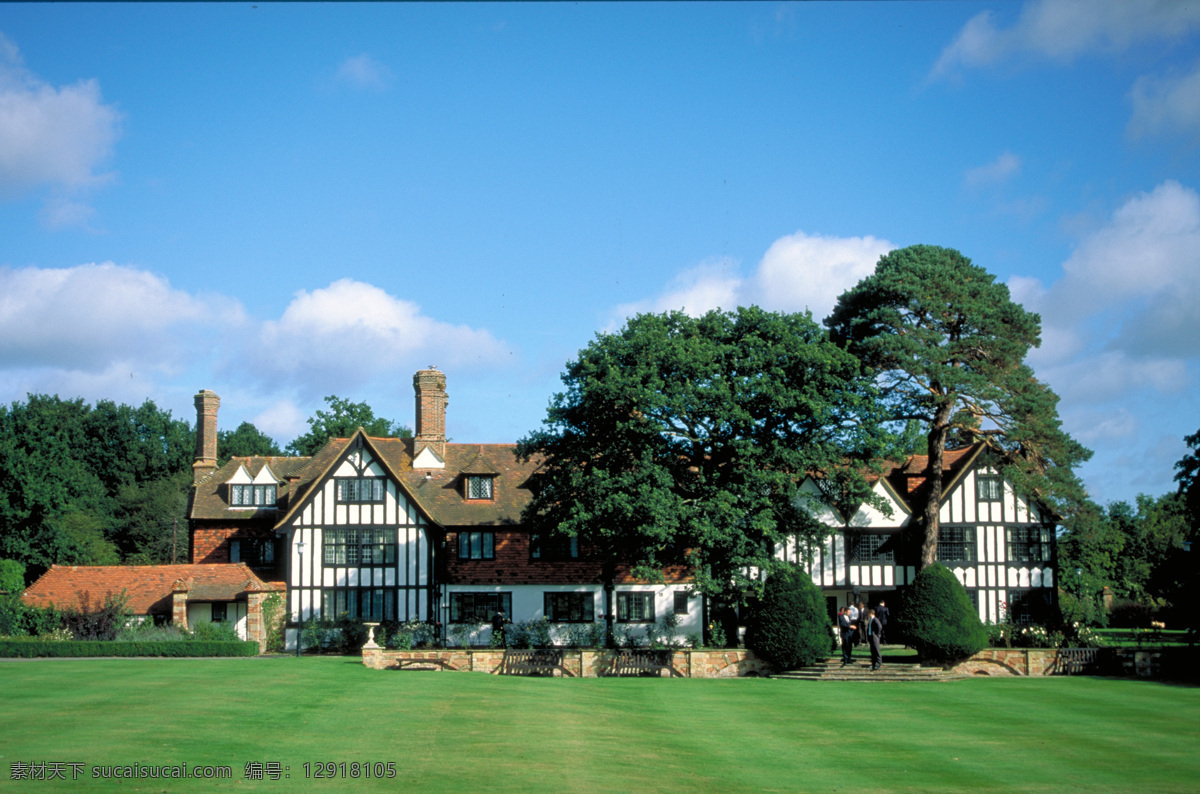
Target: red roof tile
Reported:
[(149, 587)]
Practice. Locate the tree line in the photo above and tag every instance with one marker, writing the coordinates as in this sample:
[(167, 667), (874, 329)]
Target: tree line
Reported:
[(107, 484)]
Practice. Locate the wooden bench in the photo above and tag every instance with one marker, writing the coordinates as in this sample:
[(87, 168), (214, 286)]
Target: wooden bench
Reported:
[(423, 664), (539, 661), (643, 661), (1073, 661)]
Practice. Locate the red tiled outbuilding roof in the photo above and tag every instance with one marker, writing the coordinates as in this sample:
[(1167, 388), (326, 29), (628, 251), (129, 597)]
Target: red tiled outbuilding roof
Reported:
[(149, 587)]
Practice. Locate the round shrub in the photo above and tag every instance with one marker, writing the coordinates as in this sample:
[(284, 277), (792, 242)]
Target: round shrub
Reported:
[(789, 628), (939, 619)]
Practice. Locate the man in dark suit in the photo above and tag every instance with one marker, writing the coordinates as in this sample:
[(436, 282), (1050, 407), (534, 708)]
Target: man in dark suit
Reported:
[(873, 629), (847, 630), (881, 612)]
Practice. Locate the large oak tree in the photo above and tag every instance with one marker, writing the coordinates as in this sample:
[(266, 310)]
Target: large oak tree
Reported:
[(948, 345), (683, 441)]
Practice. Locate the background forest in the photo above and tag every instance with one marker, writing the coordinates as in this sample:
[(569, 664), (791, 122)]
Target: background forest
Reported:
[(107, 484)]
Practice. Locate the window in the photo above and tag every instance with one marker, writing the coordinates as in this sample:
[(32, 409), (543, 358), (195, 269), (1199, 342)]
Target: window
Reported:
[(988, 487), (255, 552), (681, 602), (252, 495), (864, 547), (368, 490), (365, 603), (1029, 544), (635, 607), (956, 544), (570, 607), (479, 487), (1027, 606), (479, 607), (218, 612), (476, 546), (360, 546), (553, 547)]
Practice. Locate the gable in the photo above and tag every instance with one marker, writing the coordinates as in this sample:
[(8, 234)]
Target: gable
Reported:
[(981, 496), (865, 516), (356, 485)]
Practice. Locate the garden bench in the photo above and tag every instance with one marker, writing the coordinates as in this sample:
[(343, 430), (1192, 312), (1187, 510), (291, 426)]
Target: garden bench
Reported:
[(1073, 661), (540, 661), (642, 661)]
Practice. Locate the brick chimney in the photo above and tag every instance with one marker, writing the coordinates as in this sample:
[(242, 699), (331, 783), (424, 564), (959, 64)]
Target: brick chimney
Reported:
[(430, 387), (207, 403)]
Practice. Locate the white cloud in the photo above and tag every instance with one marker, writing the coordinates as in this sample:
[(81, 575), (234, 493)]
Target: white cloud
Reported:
[(1166, 105), (349, 332), (281, 419), (1125, 316), (364, 72), (798, 272), (1150, 250), (711, 285), (996, 172), (87, 317), (802, 271), (50, 136), (1062, 30)]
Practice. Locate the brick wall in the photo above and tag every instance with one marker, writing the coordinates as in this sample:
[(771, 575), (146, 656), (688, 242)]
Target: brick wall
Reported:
[(715, 663), (210, 543)]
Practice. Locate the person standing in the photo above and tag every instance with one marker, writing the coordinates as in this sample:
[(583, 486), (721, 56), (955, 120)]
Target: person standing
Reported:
[(847, 631), (873, 629), (853, 614), (881, 613)]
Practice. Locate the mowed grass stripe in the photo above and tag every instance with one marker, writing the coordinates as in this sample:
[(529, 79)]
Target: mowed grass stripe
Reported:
[(460, 731)]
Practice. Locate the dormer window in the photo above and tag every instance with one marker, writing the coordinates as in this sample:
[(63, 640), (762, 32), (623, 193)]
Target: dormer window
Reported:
[(252, 495), (480, 487), (260, 491)]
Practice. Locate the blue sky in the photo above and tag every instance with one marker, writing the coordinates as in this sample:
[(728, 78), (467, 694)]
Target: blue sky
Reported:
[(281, 202)]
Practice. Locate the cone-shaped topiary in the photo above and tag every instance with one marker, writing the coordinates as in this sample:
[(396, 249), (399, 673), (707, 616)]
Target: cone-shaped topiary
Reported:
[(788, 627), (938, 617)]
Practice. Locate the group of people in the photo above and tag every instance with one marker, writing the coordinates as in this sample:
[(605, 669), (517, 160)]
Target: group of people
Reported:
[(856, 624)]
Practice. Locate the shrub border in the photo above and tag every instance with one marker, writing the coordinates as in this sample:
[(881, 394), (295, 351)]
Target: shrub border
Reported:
[(38, 649)]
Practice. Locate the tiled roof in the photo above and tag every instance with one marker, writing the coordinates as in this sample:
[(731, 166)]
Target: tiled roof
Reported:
[(910, 476), (149, 587), (209, 499), (437, 492)]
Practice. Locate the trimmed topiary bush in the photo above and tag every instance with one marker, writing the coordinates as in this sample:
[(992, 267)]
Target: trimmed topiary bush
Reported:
[(789, 628), (939, 619)]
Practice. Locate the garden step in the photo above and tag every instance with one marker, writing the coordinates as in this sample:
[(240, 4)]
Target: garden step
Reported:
[(834, 670)]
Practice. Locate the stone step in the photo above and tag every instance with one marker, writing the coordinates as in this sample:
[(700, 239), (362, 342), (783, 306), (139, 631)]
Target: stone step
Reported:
[(834, 670)]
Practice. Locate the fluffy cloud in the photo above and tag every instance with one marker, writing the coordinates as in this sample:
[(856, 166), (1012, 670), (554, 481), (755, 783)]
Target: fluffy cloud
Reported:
[(87, 317), (349, 332), (50, 136), (1126, 313), (364, 72), (798, 272), (1065, 29), (803, 271), (1166, 105)]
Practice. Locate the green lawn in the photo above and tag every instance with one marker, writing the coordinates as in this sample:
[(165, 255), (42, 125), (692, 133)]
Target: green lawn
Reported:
[(473, 732)]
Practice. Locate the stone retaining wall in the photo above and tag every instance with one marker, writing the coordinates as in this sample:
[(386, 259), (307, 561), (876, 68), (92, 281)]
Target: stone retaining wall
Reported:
[(585, 663)]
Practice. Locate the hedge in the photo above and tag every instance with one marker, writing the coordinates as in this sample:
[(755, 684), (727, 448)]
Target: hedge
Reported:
[(33, 648), (789, 627)]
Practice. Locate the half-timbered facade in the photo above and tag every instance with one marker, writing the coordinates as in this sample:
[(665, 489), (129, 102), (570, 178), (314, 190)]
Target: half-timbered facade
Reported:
[(999, 544), (384, 529), (388, 529)]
